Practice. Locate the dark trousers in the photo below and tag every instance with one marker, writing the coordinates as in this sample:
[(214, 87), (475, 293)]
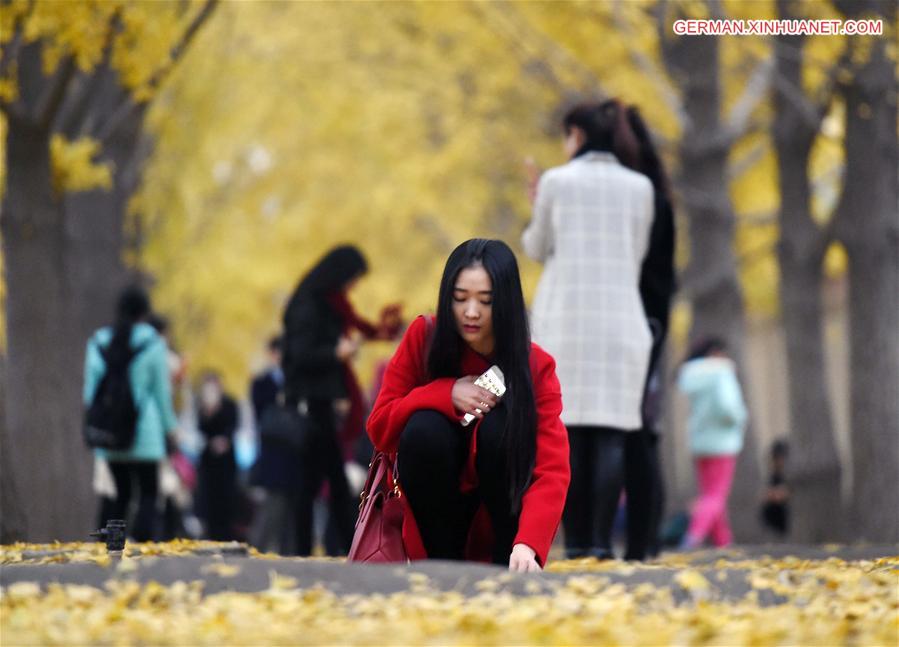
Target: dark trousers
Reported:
[(433, 451), (597, 476), (125, 474), (218, 476), (642, 484), (323, 460)]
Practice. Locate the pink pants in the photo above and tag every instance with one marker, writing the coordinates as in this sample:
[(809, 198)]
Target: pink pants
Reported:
[(715, 475)]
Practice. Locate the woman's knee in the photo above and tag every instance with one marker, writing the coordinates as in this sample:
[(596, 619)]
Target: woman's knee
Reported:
[(490, 434), (428, 435)]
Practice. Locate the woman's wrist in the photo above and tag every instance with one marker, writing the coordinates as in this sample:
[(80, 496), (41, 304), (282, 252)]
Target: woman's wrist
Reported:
[(527, 549)]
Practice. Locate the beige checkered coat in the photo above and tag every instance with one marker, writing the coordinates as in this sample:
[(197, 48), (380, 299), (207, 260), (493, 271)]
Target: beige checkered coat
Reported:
[(590, 229)]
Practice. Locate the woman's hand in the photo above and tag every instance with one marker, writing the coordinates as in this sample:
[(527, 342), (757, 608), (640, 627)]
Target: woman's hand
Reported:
[(533, 173), (391, 323), (219, 445), (469, 398), (346, 348), (523, 559)]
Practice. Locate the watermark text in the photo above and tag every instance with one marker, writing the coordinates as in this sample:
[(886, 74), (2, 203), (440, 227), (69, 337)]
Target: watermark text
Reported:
[(794, 27)]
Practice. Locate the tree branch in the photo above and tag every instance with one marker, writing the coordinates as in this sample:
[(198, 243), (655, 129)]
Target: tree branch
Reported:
[(181, 46), (830, 87), (10, 49), (708, 142), (747, 161), (660, 11), (72, 117), (508, 19), (649, 67), (755, 92), (49, 105), (128, 105), (9, 52), (758, 218)]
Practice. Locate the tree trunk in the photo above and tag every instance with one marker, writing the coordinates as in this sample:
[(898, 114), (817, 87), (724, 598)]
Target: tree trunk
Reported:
[(11, 518), (869, 228), (814, 469), (43, 454), (711, 280), (64, 267), (95, 228)]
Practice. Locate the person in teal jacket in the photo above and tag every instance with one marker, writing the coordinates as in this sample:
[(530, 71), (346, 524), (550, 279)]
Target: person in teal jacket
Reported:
[(151, 389), (715, 427)]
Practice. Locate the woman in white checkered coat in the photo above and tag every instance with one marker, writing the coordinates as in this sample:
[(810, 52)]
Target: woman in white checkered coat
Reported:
[(590, 229)]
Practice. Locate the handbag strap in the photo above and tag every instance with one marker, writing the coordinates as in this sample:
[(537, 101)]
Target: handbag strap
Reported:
[(382, 475)]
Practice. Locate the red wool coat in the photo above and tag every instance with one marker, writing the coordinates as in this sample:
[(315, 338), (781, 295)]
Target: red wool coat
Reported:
[(406, 390)]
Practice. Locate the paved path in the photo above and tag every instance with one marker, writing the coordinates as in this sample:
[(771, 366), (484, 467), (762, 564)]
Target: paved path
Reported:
[(232, 569)]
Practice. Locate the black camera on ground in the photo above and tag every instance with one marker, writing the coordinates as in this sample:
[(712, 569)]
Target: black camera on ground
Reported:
[(113, 534)]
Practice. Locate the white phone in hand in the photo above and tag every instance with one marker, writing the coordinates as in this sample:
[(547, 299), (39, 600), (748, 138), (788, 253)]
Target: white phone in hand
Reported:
[(494, 381)]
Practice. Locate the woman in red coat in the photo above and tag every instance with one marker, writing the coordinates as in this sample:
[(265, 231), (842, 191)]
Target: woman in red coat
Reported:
[(495, 490)]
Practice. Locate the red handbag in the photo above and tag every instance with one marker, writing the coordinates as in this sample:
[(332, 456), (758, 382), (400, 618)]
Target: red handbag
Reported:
[(379, 528)]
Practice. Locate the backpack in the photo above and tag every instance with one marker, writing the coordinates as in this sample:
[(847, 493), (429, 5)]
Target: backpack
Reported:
[(110, 421)]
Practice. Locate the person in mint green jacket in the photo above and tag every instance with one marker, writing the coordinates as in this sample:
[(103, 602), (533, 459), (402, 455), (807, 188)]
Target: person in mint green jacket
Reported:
[(151, 389), (715, 427)]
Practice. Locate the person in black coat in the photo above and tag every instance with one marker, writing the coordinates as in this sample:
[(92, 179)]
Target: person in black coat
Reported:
[(266, 385), (217, 421), (316, 348), (643, 479), (276, 472)]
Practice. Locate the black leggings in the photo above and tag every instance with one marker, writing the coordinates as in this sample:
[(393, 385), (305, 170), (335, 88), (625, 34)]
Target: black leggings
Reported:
[(146, 473), (642, 484), (323, 460), (433, 451), (597, 476)]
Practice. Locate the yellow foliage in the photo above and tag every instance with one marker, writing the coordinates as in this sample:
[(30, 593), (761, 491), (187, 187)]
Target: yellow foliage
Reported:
[(401, 127), (810, 602), (296, 160), (74, 168), (9, 88), (836, 261), (144, 35)]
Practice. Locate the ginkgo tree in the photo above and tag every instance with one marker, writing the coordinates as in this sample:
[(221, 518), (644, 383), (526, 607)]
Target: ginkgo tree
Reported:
[(76, 79)]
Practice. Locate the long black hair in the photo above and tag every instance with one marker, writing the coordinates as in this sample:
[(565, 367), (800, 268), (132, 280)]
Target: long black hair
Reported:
[(606, 129), (133, 306), (649, 163), (512, 349), (332, 272)]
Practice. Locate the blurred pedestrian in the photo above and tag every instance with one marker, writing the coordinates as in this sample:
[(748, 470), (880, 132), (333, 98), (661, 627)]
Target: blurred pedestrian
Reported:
[(643, 477), (591, 230), (775, 508), (134, 345), (177, 364), (266, 386), (177, 475), (353, 409), (319, 323), (715, 428), (275, 476), (492, 491), (217, 421)]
